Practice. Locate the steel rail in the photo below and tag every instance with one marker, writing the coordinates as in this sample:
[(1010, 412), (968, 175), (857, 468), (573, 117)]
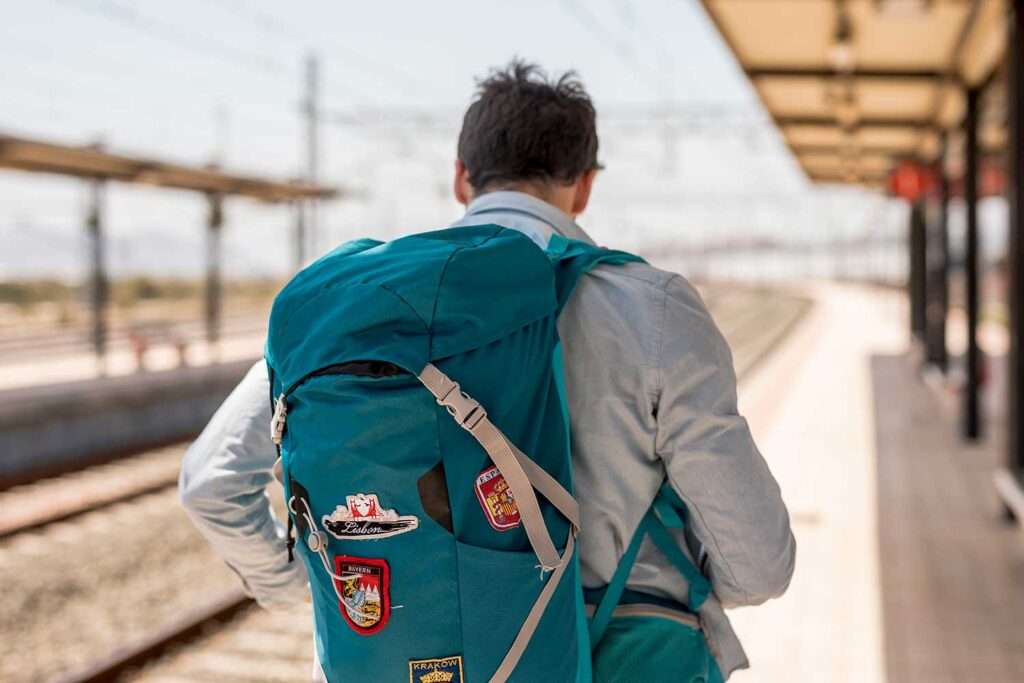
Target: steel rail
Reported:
[(186, 628)]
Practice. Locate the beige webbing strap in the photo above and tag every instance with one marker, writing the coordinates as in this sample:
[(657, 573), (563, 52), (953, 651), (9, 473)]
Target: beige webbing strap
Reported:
[(523, 475), (508, 664), (473, 418), (549, 487)]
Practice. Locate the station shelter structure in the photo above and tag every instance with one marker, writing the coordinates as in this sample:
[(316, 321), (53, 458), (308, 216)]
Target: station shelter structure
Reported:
[(923, 99)]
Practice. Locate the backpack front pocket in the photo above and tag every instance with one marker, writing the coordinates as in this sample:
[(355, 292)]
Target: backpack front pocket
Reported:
[(497, 590)]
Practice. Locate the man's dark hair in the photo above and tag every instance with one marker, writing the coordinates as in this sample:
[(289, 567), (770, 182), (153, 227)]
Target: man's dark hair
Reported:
[(523, 126)]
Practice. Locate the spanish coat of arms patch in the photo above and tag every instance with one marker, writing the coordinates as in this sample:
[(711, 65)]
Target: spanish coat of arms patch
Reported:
[(496, 499)]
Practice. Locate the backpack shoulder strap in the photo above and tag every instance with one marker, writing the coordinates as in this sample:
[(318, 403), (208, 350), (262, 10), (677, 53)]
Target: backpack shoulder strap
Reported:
[(573, 259), (666, 512)]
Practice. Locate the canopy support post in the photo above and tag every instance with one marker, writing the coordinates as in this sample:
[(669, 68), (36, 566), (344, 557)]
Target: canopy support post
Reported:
[(99, 285), (971, 404), (916, 279), (1009, 480), (938, 268), (214, 289)]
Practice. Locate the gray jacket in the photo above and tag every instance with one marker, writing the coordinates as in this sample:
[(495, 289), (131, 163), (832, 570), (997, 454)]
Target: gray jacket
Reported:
[(652, 393)]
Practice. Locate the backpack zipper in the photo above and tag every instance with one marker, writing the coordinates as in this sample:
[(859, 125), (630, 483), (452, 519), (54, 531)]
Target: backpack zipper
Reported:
[(280, 417)]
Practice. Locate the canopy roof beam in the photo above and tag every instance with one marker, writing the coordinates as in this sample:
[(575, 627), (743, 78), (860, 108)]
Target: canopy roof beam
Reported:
[(866, 122), (861, 72), (94, 163), (840, 150)]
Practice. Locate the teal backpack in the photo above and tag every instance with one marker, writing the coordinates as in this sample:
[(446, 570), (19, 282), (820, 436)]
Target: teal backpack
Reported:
[(419, 410)]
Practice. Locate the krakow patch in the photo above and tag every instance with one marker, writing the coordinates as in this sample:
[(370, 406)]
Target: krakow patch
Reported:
[(444, 670), (496, 499), (365, 592), (363, 518)]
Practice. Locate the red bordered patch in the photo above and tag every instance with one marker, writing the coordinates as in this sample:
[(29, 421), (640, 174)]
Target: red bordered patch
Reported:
[(496, 499), (365, 590)]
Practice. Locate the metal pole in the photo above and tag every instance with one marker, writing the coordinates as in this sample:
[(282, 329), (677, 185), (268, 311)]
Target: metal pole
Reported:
[(99, 286), (938, 267), (214, 289), (1015, 250), (911, 275), (312, 112), (917, 277), (971, 407)]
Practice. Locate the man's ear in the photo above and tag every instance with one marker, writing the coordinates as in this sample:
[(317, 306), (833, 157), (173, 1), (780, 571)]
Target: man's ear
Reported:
[(582, 196), (460, 185)]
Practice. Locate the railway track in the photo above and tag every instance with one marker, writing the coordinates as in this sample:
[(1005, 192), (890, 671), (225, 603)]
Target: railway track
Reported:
[(15, 348), (33, 506), (234, 639)]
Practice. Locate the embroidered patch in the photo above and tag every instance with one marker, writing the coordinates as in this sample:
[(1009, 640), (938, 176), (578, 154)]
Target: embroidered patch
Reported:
[(496, 499), (365, 592), (444, 670), (363, 518)]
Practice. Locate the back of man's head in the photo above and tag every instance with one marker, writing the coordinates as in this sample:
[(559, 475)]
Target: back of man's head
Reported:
[(526, 128)]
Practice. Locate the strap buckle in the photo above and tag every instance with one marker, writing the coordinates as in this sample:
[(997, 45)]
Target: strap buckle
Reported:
[(467, 411), (278, 420)]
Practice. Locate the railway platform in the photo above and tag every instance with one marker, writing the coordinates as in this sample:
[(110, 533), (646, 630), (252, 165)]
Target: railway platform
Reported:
[(906, 571)]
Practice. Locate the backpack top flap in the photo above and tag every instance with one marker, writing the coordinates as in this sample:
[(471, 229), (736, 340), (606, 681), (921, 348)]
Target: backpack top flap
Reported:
[(409, 301)]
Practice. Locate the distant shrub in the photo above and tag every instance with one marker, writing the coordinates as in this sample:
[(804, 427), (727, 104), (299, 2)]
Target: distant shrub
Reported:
[(127, 292), (27, 293)]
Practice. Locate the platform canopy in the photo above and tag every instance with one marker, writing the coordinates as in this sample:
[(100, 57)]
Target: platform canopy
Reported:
[(96, 163), (855, 85)]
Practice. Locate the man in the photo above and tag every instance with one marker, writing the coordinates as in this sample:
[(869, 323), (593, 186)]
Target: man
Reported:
[(650, 383)]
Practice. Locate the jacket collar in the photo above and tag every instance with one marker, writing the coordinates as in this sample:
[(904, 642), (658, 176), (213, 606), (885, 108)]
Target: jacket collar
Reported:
[(525, 213)]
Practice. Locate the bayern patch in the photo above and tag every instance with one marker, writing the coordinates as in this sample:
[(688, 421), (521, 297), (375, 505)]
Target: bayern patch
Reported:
[(363, 518), (443, 670), (496, 499), (365, 590)]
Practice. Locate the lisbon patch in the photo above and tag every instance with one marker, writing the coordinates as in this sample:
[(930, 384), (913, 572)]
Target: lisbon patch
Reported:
[(496, 499), (365, 592), (444, 670), (363, 518)]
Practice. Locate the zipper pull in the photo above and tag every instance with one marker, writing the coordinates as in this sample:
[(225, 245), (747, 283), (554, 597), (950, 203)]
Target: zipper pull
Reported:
[(278, 421), (290, 542)]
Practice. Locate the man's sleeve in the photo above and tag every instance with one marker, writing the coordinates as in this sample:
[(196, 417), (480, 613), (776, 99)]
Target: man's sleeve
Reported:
[(223, 487), (736, 508)]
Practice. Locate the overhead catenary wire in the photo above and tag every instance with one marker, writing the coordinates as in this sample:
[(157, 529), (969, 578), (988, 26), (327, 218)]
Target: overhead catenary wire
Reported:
[(186, 39), (60, 86), (607, 37), (275, 26)]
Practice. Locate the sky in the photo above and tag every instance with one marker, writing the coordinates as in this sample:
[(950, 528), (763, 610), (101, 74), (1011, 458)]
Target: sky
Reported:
[(691, 156)]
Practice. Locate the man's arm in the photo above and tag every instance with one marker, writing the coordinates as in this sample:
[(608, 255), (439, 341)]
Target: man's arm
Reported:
[(735, 505), (223, 482)]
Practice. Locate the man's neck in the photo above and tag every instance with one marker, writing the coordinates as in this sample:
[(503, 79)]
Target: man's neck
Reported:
[(525, 212), (557, 196)]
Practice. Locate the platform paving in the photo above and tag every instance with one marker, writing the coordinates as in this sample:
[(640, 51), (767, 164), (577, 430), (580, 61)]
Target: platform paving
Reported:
[(952, 575), (905, 571), (810, 409)]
